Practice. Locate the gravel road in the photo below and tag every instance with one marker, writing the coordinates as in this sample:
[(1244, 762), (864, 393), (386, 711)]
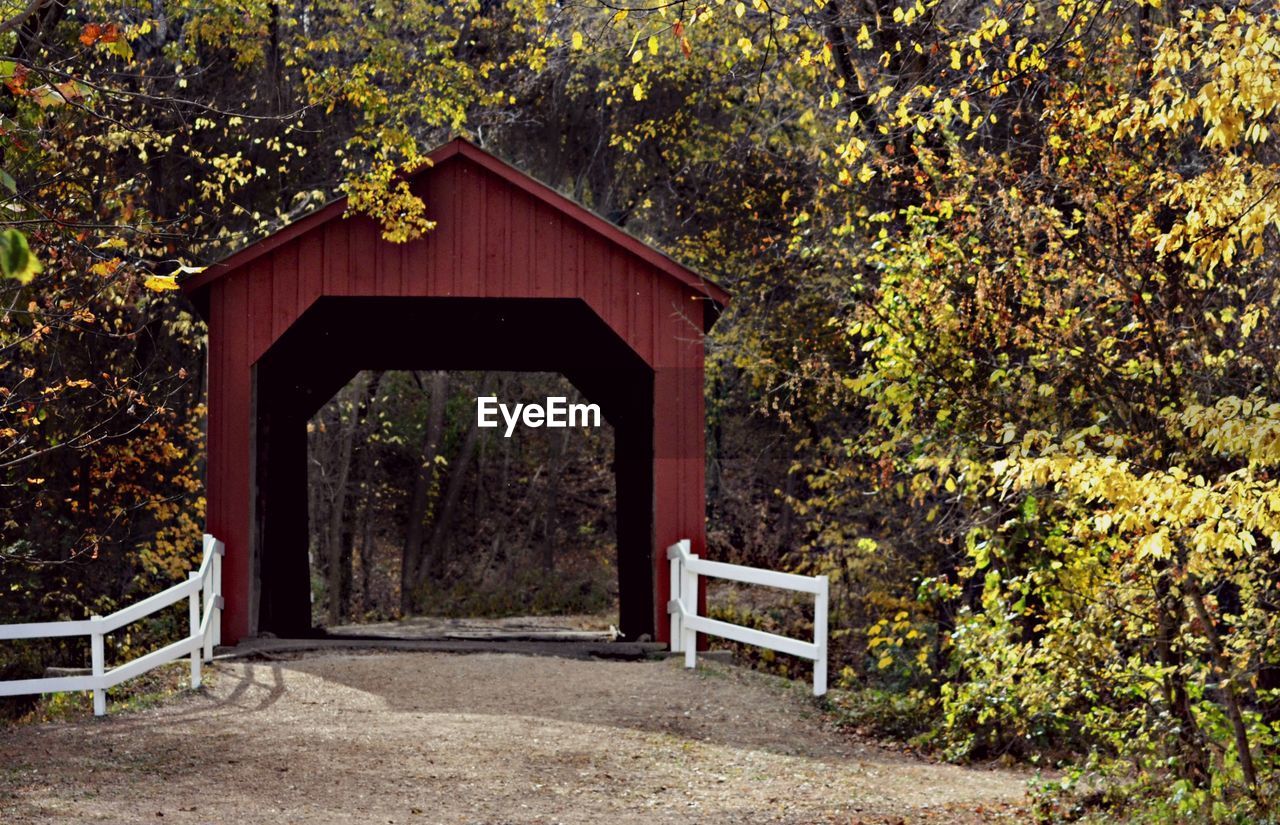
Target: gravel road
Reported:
[(485, 739)]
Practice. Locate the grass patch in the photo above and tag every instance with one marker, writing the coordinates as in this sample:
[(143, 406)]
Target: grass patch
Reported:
[(146, 691)]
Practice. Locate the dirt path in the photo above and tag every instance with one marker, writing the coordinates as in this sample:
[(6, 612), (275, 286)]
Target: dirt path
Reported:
[(489, 739)]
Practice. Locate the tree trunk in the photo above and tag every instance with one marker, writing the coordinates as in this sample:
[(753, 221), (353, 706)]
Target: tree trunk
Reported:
[(434, 562), (551, 504), (1229, 691), (368, 482), (420, 495), (1193, 764), (315, 493), (337, 541)]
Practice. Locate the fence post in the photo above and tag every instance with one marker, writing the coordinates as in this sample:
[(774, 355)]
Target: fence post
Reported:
[(219, 549), (689, 598), (99, 661), (194, 603), (206, 597), (820, 635), (673, 553)]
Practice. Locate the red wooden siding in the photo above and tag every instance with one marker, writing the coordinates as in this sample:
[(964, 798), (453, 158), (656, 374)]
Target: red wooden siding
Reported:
[(497, 236)]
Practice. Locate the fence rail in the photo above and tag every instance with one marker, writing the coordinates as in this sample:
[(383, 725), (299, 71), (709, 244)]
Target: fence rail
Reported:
[(686, 624), (203, 592)]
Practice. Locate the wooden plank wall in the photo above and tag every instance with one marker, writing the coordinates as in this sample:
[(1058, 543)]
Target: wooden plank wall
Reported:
[(492, 240)]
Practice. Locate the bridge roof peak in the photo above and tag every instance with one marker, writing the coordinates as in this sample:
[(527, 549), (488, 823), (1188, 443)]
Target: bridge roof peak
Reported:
[(457, 150)]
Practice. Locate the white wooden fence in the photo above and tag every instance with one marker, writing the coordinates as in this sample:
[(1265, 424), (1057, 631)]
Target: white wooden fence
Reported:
[(686, 624), (204, 585)]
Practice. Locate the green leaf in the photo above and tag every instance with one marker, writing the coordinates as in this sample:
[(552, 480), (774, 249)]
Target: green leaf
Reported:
[(1030, 507), (16, 260), (7, 181), (119, 48)]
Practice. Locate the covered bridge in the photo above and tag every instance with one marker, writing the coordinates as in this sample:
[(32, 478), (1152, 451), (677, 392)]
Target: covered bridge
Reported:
[(514, 277)]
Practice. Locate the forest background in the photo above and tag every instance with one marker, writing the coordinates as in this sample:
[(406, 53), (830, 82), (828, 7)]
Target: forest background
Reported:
[(1002, 358)]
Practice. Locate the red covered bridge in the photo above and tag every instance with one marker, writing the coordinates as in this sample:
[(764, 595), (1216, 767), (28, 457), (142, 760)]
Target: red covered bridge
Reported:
[(514, 277)]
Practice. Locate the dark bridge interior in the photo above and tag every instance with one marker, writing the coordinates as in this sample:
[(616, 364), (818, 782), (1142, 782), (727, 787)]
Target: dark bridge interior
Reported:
[(339, 336)]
